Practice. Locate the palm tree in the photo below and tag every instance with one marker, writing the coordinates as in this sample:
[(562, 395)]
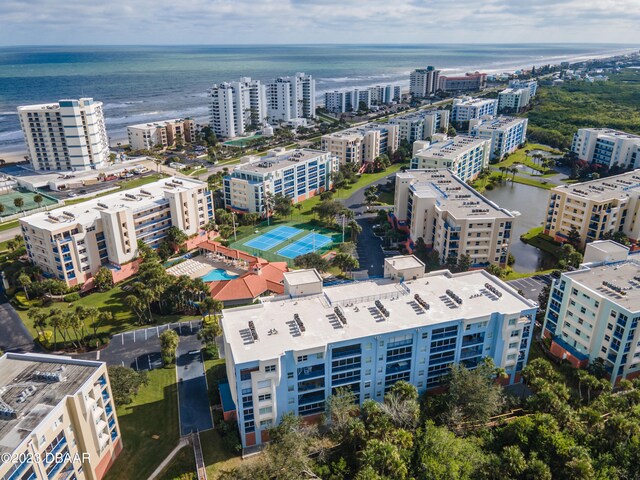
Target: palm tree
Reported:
[(355, 229), (158, 163), (39, 319), (513, 171), (19, 203), (1, 210), (38, 199)]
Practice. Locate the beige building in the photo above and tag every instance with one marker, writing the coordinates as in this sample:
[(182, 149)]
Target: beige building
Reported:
[(57, 418), (362, 144), (163, 134), (595, 208), (451, 217), (300, 283), (403, 267), (73, 243)]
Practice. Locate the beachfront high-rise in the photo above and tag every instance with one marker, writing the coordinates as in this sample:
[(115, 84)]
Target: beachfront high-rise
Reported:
[(298, 174), (505, 133), (421, 125), (424, 82), (451, 217), (341, 101), (467, 108), (608, 147), (236, 107), (531, 85), (57, 418), (469, 82), (595, 208), (513, 100), (290, 98), (289, 354), (167, 133), (464, 156), (362, 145), (72, 243), (67, 135)]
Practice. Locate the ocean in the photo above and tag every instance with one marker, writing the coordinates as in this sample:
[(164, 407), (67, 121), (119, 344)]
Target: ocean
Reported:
[(147, 83)]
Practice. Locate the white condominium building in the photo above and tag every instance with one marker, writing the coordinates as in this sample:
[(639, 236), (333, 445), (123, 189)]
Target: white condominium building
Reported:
[(289, 98), (593, 313), (67, 135), (464, 156), (362, 144), (236, 106), (451, 217), (349, 100), (607, 147), (595, 208), (421, 125), (166, 133), (531, 85), (513, 99), (424, 82), (467, 108), (57, 418), (506, 133), (298, 174), (291, 353), (72, 243)]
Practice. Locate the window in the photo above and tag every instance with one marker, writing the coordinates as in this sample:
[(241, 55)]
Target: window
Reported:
[(511, 357), (266, 423), (269, 368), (266, 396), (513, 345), (512, 322), (367, 384), (515, 333), (290, 388), (320, 355), (425, 334), (265, 410), (292, 401), (290, 375), (302, 358)]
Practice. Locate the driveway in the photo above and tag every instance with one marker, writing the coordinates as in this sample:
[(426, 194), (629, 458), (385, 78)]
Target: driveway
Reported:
[(369, 248), (356, 201), (531, 286), (14, 336)]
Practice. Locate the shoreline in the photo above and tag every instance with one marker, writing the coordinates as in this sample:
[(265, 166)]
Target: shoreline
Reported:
[(119, 135)]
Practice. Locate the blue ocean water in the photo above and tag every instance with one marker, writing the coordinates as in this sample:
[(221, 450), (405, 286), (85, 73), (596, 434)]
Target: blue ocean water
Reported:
[(146, 83)]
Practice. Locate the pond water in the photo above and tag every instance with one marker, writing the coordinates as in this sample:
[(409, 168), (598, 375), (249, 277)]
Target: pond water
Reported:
[(529, 170), (532, 203)]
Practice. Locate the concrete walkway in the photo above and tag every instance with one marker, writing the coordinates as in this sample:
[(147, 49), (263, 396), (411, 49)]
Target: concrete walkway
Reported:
[(183, 442)]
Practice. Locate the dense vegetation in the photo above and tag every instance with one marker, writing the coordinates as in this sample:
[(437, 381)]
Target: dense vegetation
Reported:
[(583, 431), (558, 111)]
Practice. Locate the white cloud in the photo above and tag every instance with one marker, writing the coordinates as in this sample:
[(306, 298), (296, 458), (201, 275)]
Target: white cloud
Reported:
[(317, 21)]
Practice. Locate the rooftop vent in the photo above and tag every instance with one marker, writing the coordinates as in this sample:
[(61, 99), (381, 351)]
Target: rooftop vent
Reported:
[(7, 413), (252, 329), (47, 376), (301, 326), (338, 311), (421, 302), (493, 290), (454, 297), (380, 307), (613, 287), (102, 205)]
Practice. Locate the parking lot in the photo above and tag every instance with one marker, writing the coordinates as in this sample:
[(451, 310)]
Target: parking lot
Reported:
[(531, 286)]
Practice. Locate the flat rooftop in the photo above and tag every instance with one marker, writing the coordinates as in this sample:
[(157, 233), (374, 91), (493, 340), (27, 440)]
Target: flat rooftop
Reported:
[(358, 131), (622, 282), (276, 160), (452, 194), (159, 123), (608, 246), (30, 396), (512, 90), (618, 187), (364, 319), (499, 123), (302, 277), (88, 212), (609, 132), (472, 101), (402, 262), (451, 147)]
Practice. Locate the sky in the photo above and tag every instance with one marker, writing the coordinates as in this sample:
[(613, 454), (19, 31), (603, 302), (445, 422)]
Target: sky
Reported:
[(174, 22)]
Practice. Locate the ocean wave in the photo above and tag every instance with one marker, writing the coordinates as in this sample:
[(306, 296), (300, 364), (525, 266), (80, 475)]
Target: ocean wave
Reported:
[(11, 135), (8, 113)]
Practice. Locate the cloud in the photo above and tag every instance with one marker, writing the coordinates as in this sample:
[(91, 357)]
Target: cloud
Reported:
[(317, 21)]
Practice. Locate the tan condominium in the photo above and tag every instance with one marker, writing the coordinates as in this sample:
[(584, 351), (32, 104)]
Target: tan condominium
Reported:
[(451, 217), (595, 209), (72, 243), (361, 145), (163, 134), (57, 418)]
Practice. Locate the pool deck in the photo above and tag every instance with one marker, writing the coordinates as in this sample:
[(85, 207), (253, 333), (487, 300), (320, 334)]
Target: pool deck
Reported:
[(201, 265)]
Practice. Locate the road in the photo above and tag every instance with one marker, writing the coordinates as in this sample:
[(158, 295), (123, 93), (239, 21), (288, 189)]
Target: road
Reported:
[(14, 337)]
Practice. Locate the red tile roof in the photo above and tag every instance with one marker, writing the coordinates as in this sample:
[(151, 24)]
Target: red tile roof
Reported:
[(251, 284)]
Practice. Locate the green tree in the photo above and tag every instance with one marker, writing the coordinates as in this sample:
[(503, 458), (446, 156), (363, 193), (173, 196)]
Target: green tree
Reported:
[(175, 237), (169, 341), (125, 383), (103, 280), (345, 262), (371, 195), (464, 262), (38, 199), (19, 203), (311, 260), (24, 282)]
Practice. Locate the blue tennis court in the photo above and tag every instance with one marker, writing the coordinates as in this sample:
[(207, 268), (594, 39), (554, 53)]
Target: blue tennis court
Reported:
[(268, 240), (310, 243)]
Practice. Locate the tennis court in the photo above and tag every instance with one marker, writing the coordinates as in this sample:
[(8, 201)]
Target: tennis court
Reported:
[(273, 237), (7, 199), (309, 243)]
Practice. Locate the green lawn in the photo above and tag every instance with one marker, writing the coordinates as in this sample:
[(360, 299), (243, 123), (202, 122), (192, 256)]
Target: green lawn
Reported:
[(536, 238), (520, 156), (367, 179), (513, 275), (182, 467), (481, 184), (149, 427)]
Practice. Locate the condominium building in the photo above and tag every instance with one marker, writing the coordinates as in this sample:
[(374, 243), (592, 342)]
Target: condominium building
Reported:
[(298, 174), (467, 108), (73, 243), (289, 355), (464, 156), (593, 312), (167, 133), (531, 85), (451, 217), (385, 94), (361, 145), (607, 147), (505, 133), (421, 125), (513, 99), (424, 82), (351, 100), (595, 208), (469, 82), (57, 418), (289, 98), (67, 135), (235, 107)]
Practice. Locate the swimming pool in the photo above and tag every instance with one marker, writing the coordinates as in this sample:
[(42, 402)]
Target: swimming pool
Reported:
[(218, 274)]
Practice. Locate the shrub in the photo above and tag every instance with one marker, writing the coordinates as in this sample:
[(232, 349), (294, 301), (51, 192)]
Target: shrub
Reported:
[(72, 297)]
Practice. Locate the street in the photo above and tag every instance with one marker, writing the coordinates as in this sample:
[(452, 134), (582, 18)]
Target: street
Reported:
[(15, 337)]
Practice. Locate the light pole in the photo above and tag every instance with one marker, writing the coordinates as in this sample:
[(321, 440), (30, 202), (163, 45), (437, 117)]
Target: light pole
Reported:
[(233, 220)]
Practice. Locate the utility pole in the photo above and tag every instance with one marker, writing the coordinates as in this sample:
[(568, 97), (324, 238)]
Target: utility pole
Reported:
[(233, 219)]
